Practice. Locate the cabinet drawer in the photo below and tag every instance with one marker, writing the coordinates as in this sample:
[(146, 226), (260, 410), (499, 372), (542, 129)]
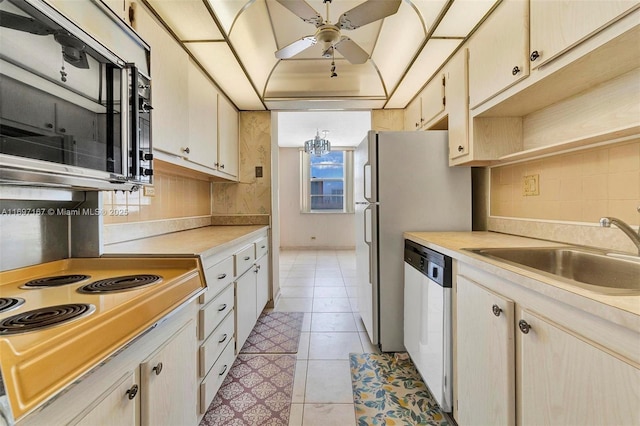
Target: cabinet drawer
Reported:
[(215, 344), (244, 259), (262, 247), (217, 277), (213, 313), (210, 385)]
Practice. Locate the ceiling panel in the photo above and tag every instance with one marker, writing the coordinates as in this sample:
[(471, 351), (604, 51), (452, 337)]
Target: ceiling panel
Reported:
[(253, 40), (189, 19), (462, 17), (346, 128), (309, 78), (401, 36), (430, 10), (431, 57), (323, 104), (227, 10), (218, 60)]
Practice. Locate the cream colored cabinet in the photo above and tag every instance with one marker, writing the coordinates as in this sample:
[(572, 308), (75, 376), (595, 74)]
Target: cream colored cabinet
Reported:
[(515, 365), (245, 307), (457, 84), (117, 406), (432, 100), (262, 283), (228, 140), (485, 356), (168, 381), (499, 51), (170, 96), (567, 380), (557, 26), (203, 119), (412, 115)]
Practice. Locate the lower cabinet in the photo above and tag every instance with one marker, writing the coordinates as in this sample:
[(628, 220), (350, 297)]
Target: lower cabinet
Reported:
[(562, 377), (168, 382), (245, 307), (262, 283), (117, 406)]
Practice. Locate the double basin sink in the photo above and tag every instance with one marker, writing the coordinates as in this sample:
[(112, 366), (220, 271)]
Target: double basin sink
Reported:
[(598, 271)]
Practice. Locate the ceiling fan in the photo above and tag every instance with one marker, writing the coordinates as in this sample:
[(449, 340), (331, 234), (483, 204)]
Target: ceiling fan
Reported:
[(73, 50), (330, 34)]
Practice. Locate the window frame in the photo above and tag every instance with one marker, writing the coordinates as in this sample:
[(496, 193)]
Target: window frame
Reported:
[(305, 183)]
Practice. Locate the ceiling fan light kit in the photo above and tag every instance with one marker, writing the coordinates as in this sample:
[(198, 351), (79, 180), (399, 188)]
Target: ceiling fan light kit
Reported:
[(330, 34)]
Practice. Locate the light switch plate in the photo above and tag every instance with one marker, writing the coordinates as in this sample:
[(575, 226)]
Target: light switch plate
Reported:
[(531, 185)]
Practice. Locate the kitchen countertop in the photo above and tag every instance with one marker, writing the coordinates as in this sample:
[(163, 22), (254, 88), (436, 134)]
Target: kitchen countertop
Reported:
[(621, 309), (203, 242)]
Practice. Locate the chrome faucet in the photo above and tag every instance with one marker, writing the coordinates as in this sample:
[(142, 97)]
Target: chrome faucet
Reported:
[(606, 222)]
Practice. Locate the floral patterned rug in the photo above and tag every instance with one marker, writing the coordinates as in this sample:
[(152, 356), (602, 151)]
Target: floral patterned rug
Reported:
[(257, 391), (389, 392), (275, 333)]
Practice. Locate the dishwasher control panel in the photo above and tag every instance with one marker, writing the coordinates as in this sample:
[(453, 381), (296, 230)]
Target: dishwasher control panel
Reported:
[(431, 263)]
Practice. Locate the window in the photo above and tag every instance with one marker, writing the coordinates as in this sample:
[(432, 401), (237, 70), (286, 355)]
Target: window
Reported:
[(327, 182)]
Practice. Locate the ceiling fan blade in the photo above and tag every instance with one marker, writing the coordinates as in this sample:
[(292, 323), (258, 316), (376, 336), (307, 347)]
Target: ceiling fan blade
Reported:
[(303, 10), (368, 12), (351, 51), (296, 47), (23, 23)]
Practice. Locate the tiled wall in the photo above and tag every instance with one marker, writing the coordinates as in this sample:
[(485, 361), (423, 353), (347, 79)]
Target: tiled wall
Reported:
[(176, 196), (252, 195), (577, 187)]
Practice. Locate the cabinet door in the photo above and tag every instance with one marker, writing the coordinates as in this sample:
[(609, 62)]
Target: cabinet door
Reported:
[(564, 380), (203, 119), (115, 407), (245, 307), (458, 104), (485, 356), (499, 51), (227, 138), (432, 98), (168, 381), (557, 26), (412, 115), (169, 70), (262, 284)]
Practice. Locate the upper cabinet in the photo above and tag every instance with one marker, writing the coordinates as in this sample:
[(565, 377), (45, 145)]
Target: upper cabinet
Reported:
[(428, 107), (457, 84), (557, 26), (499, 51), (228, 122), (203, 119)]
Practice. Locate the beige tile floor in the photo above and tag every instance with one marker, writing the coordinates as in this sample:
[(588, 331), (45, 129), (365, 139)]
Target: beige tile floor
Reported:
[(322, 284)]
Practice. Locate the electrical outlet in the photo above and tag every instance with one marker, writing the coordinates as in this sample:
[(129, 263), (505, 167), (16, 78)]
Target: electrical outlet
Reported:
[(149, 191), (258, 171), (531, 185)]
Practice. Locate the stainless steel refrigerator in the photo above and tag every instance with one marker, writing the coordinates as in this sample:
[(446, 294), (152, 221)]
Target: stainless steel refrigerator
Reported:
[(403, 182)]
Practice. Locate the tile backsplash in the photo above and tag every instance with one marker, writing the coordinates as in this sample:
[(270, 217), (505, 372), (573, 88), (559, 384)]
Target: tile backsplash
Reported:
[(176, 195), (581, 186)]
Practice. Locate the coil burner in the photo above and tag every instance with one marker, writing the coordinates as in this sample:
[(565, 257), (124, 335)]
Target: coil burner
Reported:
[(115, 284), (55, 281), (39, 319), (10, 303)]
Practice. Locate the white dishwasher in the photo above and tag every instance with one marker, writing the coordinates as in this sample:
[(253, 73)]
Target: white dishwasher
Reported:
[(427, 318)]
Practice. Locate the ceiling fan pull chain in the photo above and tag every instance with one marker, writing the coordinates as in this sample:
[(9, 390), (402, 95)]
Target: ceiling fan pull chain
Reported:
[(333, 63), (63, 73)]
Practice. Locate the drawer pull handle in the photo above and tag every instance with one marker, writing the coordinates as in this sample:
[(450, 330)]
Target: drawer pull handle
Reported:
[(247, 257), (131, 393), (224, 370), (524, 326), (158, 369), (223, 339), (222, 276), (222, 308), (496, 310)]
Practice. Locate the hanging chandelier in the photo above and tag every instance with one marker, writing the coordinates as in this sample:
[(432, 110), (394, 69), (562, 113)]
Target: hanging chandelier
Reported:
[(318, 146)]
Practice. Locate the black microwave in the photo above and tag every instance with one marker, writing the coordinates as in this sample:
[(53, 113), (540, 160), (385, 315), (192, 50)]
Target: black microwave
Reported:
[(72, 113)]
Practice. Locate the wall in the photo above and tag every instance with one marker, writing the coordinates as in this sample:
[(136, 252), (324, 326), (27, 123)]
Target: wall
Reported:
[(252, 196), (576, 188), (387, 119), (332, 230)]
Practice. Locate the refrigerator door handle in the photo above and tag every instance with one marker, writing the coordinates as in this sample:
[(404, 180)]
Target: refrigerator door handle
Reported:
[(368, 243), (364, 181)]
